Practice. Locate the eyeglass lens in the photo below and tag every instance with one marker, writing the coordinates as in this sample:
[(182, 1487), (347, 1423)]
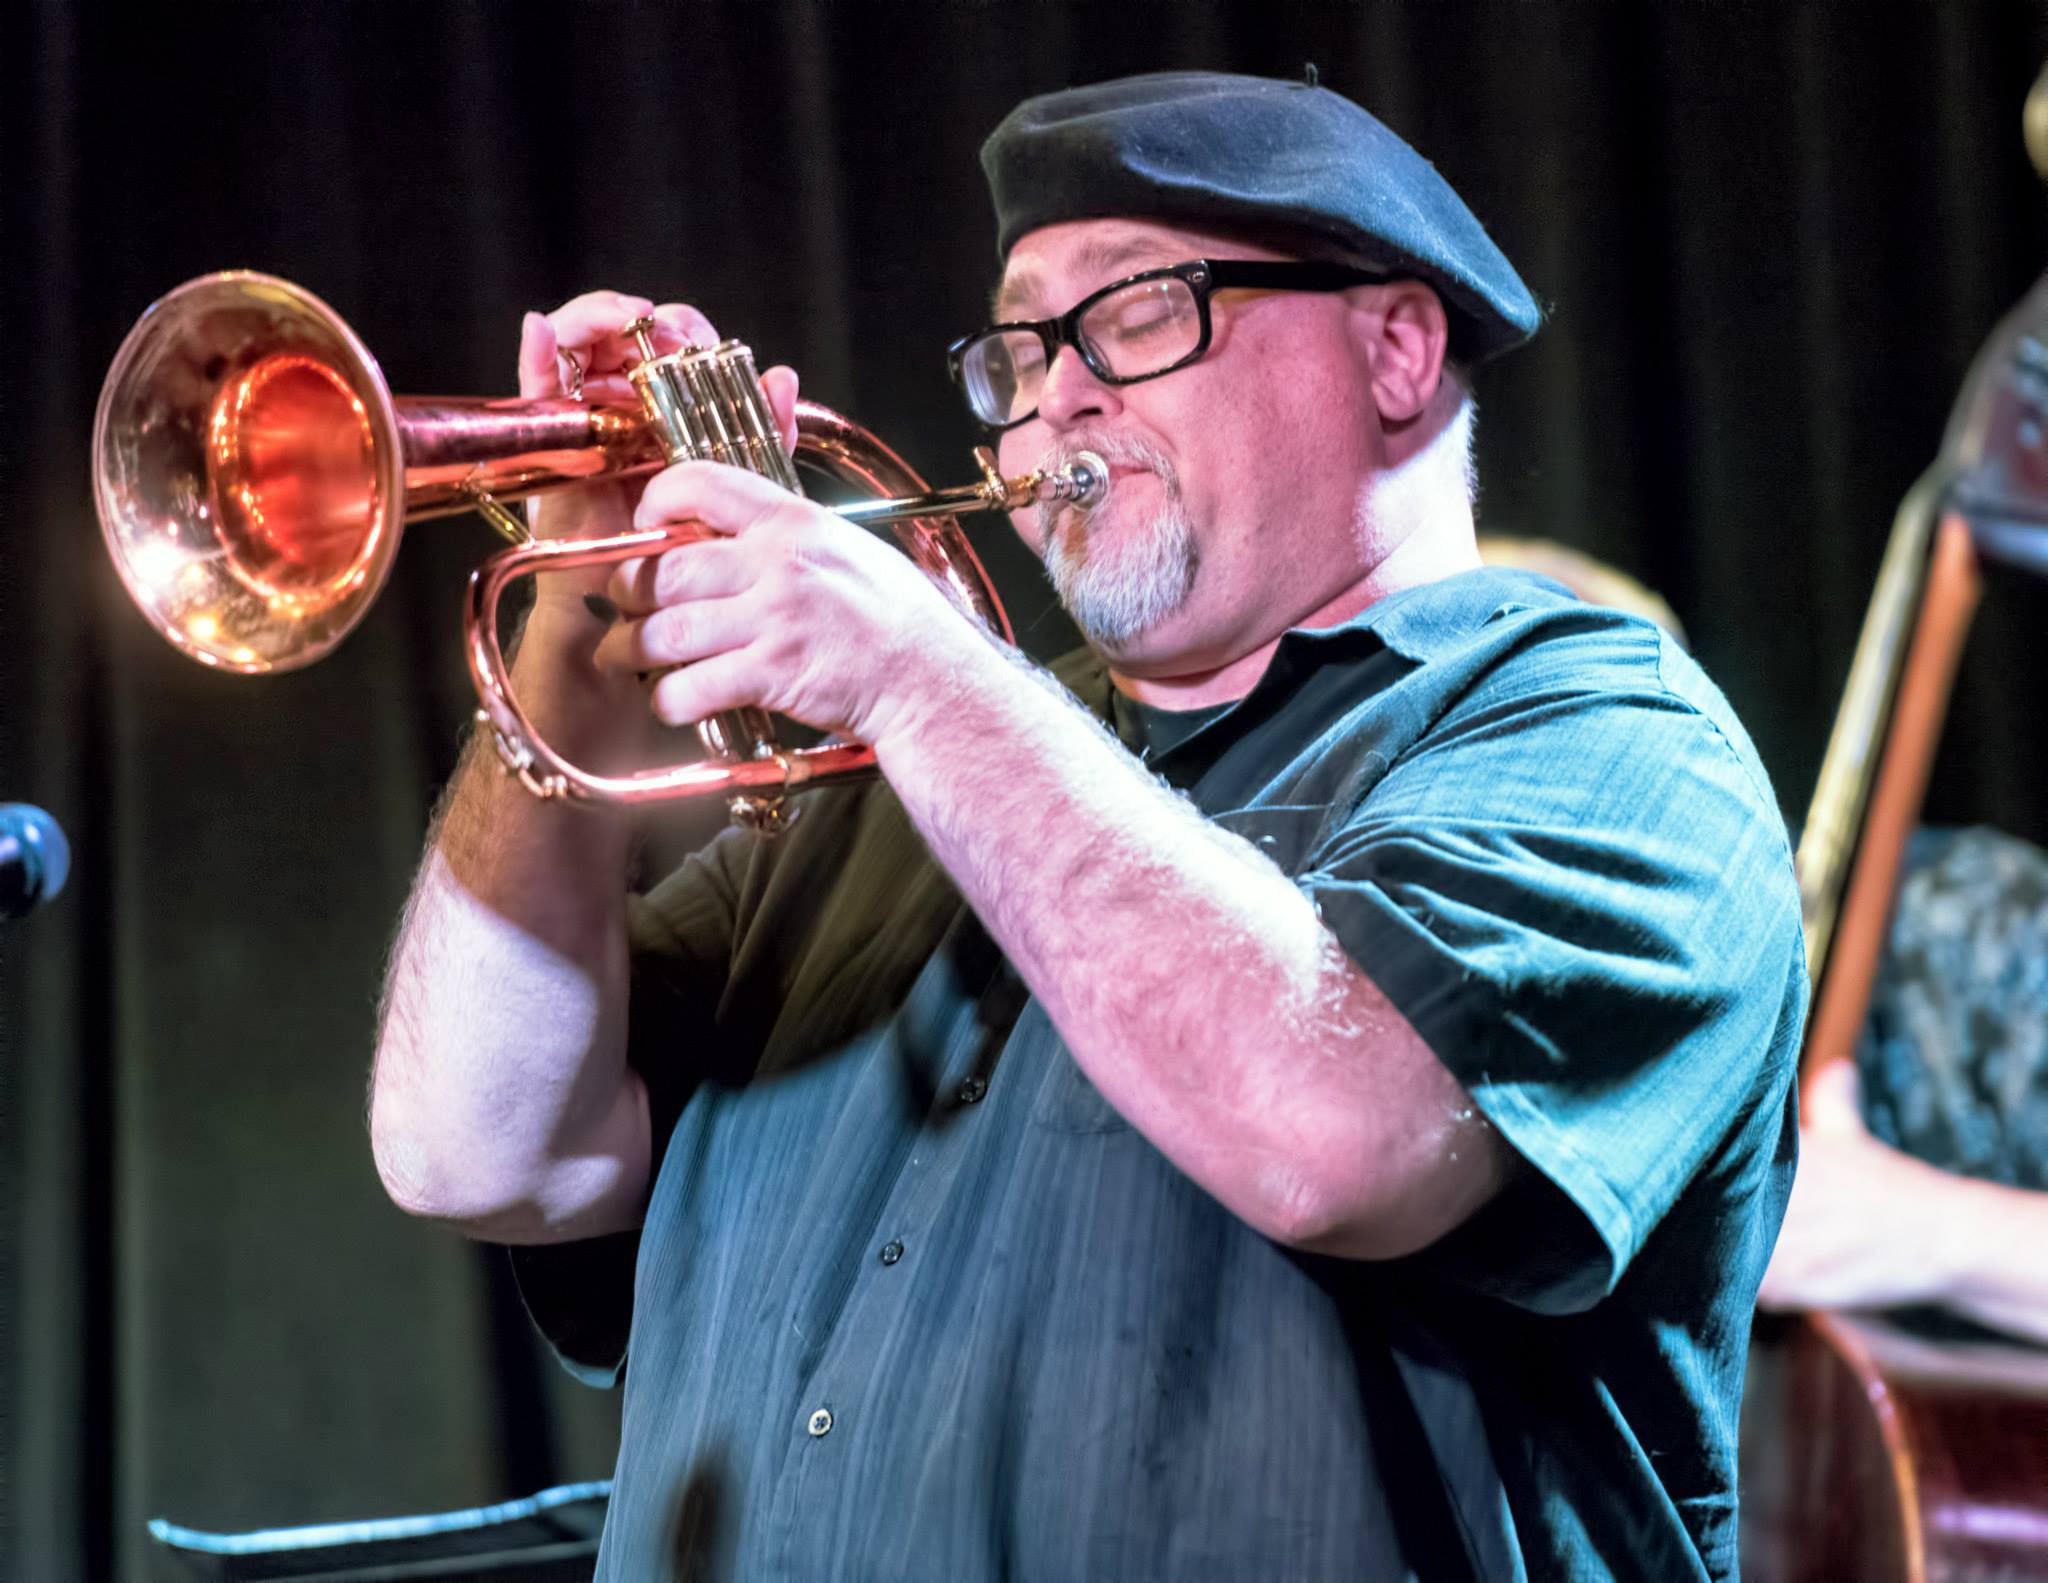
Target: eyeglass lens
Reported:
[(1140, 329)]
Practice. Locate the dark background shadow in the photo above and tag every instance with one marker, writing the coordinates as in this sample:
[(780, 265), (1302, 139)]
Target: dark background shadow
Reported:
[(1770, 239)]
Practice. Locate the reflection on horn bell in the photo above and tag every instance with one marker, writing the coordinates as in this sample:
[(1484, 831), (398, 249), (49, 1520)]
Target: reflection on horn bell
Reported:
[(253, 472)]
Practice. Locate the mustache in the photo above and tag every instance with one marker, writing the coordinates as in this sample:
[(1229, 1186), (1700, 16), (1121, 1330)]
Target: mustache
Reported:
[(1117, 449)]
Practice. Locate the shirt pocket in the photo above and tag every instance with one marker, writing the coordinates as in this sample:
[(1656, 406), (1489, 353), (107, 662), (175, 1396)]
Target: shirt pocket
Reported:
[(1066, 1100)]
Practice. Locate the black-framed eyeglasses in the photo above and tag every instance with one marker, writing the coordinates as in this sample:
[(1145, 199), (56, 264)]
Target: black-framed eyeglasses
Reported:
[(1132, 329)]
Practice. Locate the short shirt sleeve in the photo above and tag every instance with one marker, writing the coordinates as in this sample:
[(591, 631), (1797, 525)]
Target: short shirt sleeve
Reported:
[(580, 1294), (1576, 887)]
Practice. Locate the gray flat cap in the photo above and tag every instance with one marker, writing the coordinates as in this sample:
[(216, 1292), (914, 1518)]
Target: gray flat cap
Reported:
[(1208, 148)]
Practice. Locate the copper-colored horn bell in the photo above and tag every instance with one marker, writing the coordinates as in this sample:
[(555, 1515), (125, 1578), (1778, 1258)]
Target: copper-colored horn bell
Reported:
[(253, 471)]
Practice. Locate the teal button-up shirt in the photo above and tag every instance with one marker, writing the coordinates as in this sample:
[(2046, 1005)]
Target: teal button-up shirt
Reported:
[(912, 1301)]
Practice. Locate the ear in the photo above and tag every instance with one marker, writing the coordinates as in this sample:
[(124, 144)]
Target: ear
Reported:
[(1406, 339)]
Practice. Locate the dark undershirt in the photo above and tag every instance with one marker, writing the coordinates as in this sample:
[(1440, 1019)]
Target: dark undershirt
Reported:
[(1150, 732)]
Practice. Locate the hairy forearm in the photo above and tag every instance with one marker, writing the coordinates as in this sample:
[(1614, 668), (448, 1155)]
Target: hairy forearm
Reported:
[(1192, 981), (500, 1099)]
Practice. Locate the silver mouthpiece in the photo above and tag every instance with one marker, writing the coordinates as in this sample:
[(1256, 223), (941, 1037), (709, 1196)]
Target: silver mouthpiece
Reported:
[(1083, 482)]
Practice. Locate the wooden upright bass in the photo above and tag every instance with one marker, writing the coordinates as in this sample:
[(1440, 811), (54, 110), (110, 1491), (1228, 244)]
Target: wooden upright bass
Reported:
[(1870, 1453)]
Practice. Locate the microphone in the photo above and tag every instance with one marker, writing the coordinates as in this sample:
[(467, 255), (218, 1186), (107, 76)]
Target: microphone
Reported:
[(35, 859)]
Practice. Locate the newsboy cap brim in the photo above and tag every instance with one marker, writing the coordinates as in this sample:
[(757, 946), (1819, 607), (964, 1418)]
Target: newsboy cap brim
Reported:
[(1206, 148)]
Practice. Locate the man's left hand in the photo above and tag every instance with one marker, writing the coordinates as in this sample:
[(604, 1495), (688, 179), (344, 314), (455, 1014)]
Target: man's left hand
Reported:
[(784, 605)]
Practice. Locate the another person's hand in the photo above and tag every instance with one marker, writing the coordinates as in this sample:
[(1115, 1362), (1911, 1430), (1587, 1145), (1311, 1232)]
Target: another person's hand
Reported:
[(1866, 1224), (784, 605)]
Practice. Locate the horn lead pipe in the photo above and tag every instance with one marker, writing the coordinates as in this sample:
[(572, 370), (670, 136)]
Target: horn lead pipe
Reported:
[(1083, 482)]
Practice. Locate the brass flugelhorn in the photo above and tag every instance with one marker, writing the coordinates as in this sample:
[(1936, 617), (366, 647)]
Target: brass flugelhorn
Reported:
[(252, 472)]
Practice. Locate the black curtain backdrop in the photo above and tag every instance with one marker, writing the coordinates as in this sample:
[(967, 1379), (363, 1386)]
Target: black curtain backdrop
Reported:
[(1770, 238)]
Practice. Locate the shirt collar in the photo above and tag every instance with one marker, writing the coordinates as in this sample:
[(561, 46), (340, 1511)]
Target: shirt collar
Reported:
[(1417, 623), (1422, 622)]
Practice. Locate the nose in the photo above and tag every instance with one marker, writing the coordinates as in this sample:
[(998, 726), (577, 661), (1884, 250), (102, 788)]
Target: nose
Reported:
[(1071, 393)]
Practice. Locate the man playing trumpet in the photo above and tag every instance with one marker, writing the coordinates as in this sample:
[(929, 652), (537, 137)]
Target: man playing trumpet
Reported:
[(1303, 1094)]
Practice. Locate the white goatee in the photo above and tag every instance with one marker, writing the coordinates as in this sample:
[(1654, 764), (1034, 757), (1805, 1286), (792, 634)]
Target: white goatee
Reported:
[(1118, 585)]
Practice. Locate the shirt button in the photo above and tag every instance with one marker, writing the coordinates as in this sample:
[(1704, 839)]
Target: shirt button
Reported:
[(972, 1090), (891, 1252), (821, 1422)]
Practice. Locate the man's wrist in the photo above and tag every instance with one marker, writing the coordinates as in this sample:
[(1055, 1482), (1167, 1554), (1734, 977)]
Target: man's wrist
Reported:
[(566, 630), (588, 716), (957, 681)]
